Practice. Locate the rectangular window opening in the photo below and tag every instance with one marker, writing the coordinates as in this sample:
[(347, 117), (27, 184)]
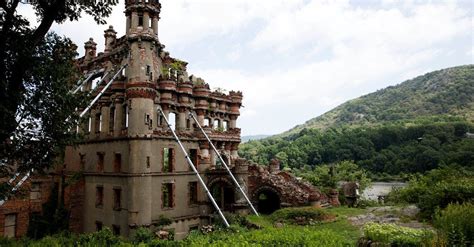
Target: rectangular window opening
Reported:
[(82, 161), (100, 161), (168, 159), (118, 162), (140, 21), (193, 155), (98, 226), (112, 120), (117, 199), (116, 230), (167, 192), (193, 193), (35, 191), (10, 225), (99, 196)]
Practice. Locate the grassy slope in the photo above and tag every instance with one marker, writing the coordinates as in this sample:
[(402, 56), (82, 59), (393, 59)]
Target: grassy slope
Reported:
[(447, 92)]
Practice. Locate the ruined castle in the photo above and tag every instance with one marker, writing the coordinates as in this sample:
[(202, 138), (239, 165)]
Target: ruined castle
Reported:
[(131, 170)]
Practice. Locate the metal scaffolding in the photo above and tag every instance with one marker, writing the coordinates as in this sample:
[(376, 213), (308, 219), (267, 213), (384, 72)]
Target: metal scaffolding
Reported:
[(225, 164), (191, 164)]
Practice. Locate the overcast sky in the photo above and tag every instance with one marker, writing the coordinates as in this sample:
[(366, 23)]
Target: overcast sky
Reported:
[(296, 59)]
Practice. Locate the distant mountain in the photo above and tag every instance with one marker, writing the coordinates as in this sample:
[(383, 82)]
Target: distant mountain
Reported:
[(253, 137), (447, 92), (414, 126)]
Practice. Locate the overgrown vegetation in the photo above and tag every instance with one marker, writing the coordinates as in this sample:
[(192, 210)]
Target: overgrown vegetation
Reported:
[(456, 224), (396, 235), (437, 189), (415, 126), (333, 233), (441, 95), (394, 149)]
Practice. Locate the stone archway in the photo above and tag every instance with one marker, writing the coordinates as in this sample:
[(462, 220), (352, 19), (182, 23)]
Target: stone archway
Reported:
[(268, 200), (224, 194)]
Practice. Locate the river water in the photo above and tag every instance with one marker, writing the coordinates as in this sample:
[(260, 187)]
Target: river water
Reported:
[(380, 189)]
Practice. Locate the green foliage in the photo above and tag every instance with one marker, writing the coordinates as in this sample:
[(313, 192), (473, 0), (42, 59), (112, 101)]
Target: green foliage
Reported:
[(456, 224), (394, 149), (163, 221), (143, 235), (37, 71), (333, 233), (397, 235), (437, 189), (288, 236), (444, 95), (327, 176), (300, 216)]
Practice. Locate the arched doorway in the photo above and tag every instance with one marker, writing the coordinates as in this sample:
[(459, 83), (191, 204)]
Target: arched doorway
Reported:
[(224, 194), (268, 201)]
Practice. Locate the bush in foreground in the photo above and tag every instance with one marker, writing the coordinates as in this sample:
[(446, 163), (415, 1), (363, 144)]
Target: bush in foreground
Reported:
[(394, 235), (456, 224)]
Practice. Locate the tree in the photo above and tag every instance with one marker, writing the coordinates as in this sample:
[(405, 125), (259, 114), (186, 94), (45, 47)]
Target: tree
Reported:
[(36, 71)]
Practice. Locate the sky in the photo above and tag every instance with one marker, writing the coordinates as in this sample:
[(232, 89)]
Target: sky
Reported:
[(296, 59)]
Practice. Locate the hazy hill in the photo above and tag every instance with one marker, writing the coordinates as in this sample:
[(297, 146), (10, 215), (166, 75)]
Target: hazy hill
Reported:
[(448, 92), (253, 137)]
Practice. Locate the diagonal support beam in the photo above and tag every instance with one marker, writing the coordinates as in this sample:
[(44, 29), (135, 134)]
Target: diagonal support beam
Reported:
[(225, 164), (102, 91), (191, 164)]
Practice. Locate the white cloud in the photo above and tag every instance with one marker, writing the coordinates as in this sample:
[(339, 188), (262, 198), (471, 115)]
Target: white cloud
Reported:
[(331, 51)]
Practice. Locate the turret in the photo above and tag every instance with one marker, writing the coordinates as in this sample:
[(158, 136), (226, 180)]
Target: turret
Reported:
[(110, 37), (142, 15), (90, 48)]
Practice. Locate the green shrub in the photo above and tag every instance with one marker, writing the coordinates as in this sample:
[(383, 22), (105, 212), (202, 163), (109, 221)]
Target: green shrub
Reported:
[(143, 235), (287, 236), (436, 189), (397, 235), (456, 224), (300, 216)]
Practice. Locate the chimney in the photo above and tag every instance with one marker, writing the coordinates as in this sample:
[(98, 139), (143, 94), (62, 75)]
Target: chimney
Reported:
[(110, 36)]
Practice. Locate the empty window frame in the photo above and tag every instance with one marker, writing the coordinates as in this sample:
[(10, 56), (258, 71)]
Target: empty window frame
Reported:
[(116, 230), (225, 125), (89, 125), (100, 161), (35, 191), (112, 120), (118, 162), (98, 225), (82, 161), (207, 122), (117, 199), (140, 20), (168, 159), (98, 122), (167, 195), (172, 120), (99, 196), (10, 225), (193, 155), (193, 193), (125, 116), (216, 124)]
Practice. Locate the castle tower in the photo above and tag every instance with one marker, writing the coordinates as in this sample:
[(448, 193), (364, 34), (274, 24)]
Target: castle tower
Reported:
[(134, 170), (143, 69)]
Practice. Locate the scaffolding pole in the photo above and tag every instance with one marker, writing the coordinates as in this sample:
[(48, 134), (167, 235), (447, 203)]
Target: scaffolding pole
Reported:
[(191, 164), (89, 76), (225, 164), (102, 91)]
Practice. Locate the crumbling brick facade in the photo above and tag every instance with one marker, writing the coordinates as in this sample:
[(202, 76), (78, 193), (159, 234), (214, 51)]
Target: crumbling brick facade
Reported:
[(15, 213)]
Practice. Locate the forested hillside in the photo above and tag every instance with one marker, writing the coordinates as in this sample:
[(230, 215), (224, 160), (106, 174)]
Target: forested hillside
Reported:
[(447, 92), (415, 126)]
